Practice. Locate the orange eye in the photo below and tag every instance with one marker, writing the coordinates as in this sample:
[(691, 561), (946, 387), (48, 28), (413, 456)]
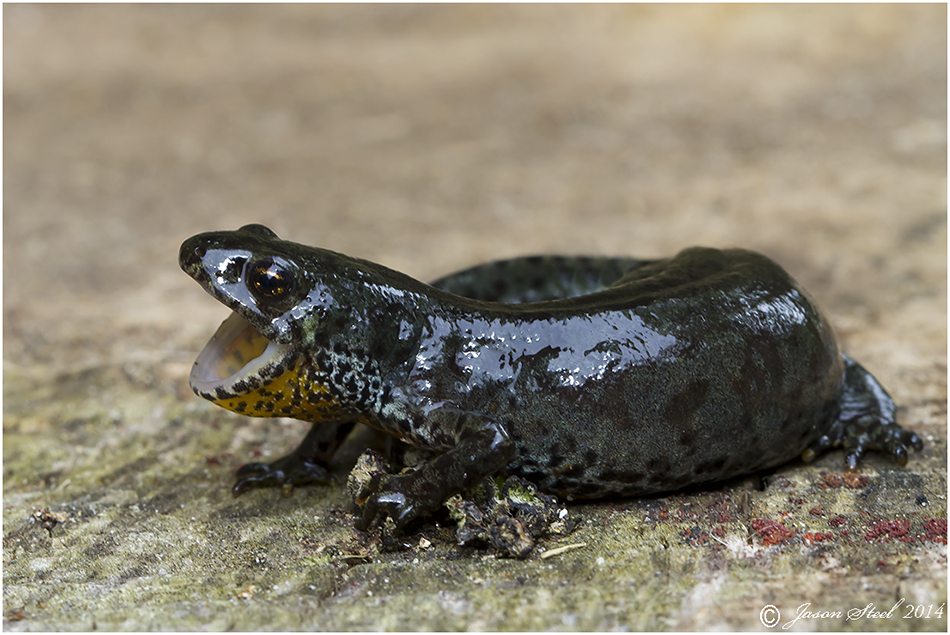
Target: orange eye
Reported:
[(270, 280)]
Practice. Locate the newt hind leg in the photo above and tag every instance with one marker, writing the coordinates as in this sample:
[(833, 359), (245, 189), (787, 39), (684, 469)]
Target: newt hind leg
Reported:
[(865, 421)]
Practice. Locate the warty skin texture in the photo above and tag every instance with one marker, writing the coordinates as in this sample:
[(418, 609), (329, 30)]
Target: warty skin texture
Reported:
[(591, 377)]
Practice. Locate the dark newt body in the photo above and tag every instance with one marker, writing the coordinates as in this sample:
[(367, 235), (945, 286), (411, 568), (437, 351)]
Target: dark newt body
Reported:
[(591, 377)]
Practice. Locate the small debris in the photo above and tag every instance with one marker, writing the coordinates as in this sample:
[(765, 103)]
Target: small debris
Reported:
[(509, 518), (248, 593), (510, 536), (48, 519), (365, 476), (559, 550), (16, 616)]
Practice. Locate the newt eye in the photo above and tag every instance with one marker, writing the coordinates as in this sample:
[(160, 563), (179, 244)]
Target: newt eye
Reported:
[(270, 279)]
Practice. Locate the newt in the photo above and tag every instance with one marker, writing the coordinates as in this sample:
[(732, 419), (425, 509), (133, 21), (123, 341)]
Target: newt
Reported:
[(590, 377)]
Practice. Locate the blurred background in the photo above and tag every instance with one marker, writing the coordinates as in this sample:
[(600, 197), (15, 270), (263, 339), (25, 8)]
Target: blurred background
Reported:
[(430, 138)]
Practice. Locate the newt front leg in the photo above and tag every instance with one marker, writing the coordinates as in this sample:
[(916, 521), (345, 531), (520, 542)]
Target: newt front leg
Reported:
[(308, 463), (483, 448)]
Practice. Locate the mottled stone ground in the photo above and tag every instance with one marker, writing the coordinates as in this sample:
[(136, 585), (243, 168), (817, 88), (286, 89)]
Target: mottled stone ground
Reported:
[(429, 138)]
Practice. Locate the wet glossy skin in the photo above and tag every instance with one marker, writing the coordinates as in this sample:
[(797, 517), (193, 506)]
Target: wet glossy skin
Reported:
[(591, 377)]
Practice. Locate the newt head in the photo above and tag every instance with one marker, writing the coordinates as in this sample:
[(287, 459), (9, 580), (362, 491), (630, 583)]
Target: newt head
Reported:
[(252, 363)]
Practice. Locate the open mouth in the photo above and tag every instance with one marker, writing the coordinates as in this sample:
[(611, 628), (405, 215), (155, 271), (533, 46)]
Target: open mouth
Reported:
[(236, 353)]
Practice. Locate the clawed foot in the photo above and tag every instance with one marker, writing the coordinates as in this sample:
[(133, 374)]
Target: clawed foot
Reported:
[(866, 421), (863, 434), (285, 473), (396, 497), (378, 494)]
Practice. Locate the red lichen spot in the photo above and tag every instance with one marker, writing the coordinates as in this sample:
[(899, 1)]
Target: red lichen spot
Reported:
[(834, 480), (772, 533), (817, 511), (855, 481), (837, 521), (936, 529), (719, 532), (888, 529), (881, 563), (811, 538), (657, 512), (213, 460), (829, 480), (695, 537)]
